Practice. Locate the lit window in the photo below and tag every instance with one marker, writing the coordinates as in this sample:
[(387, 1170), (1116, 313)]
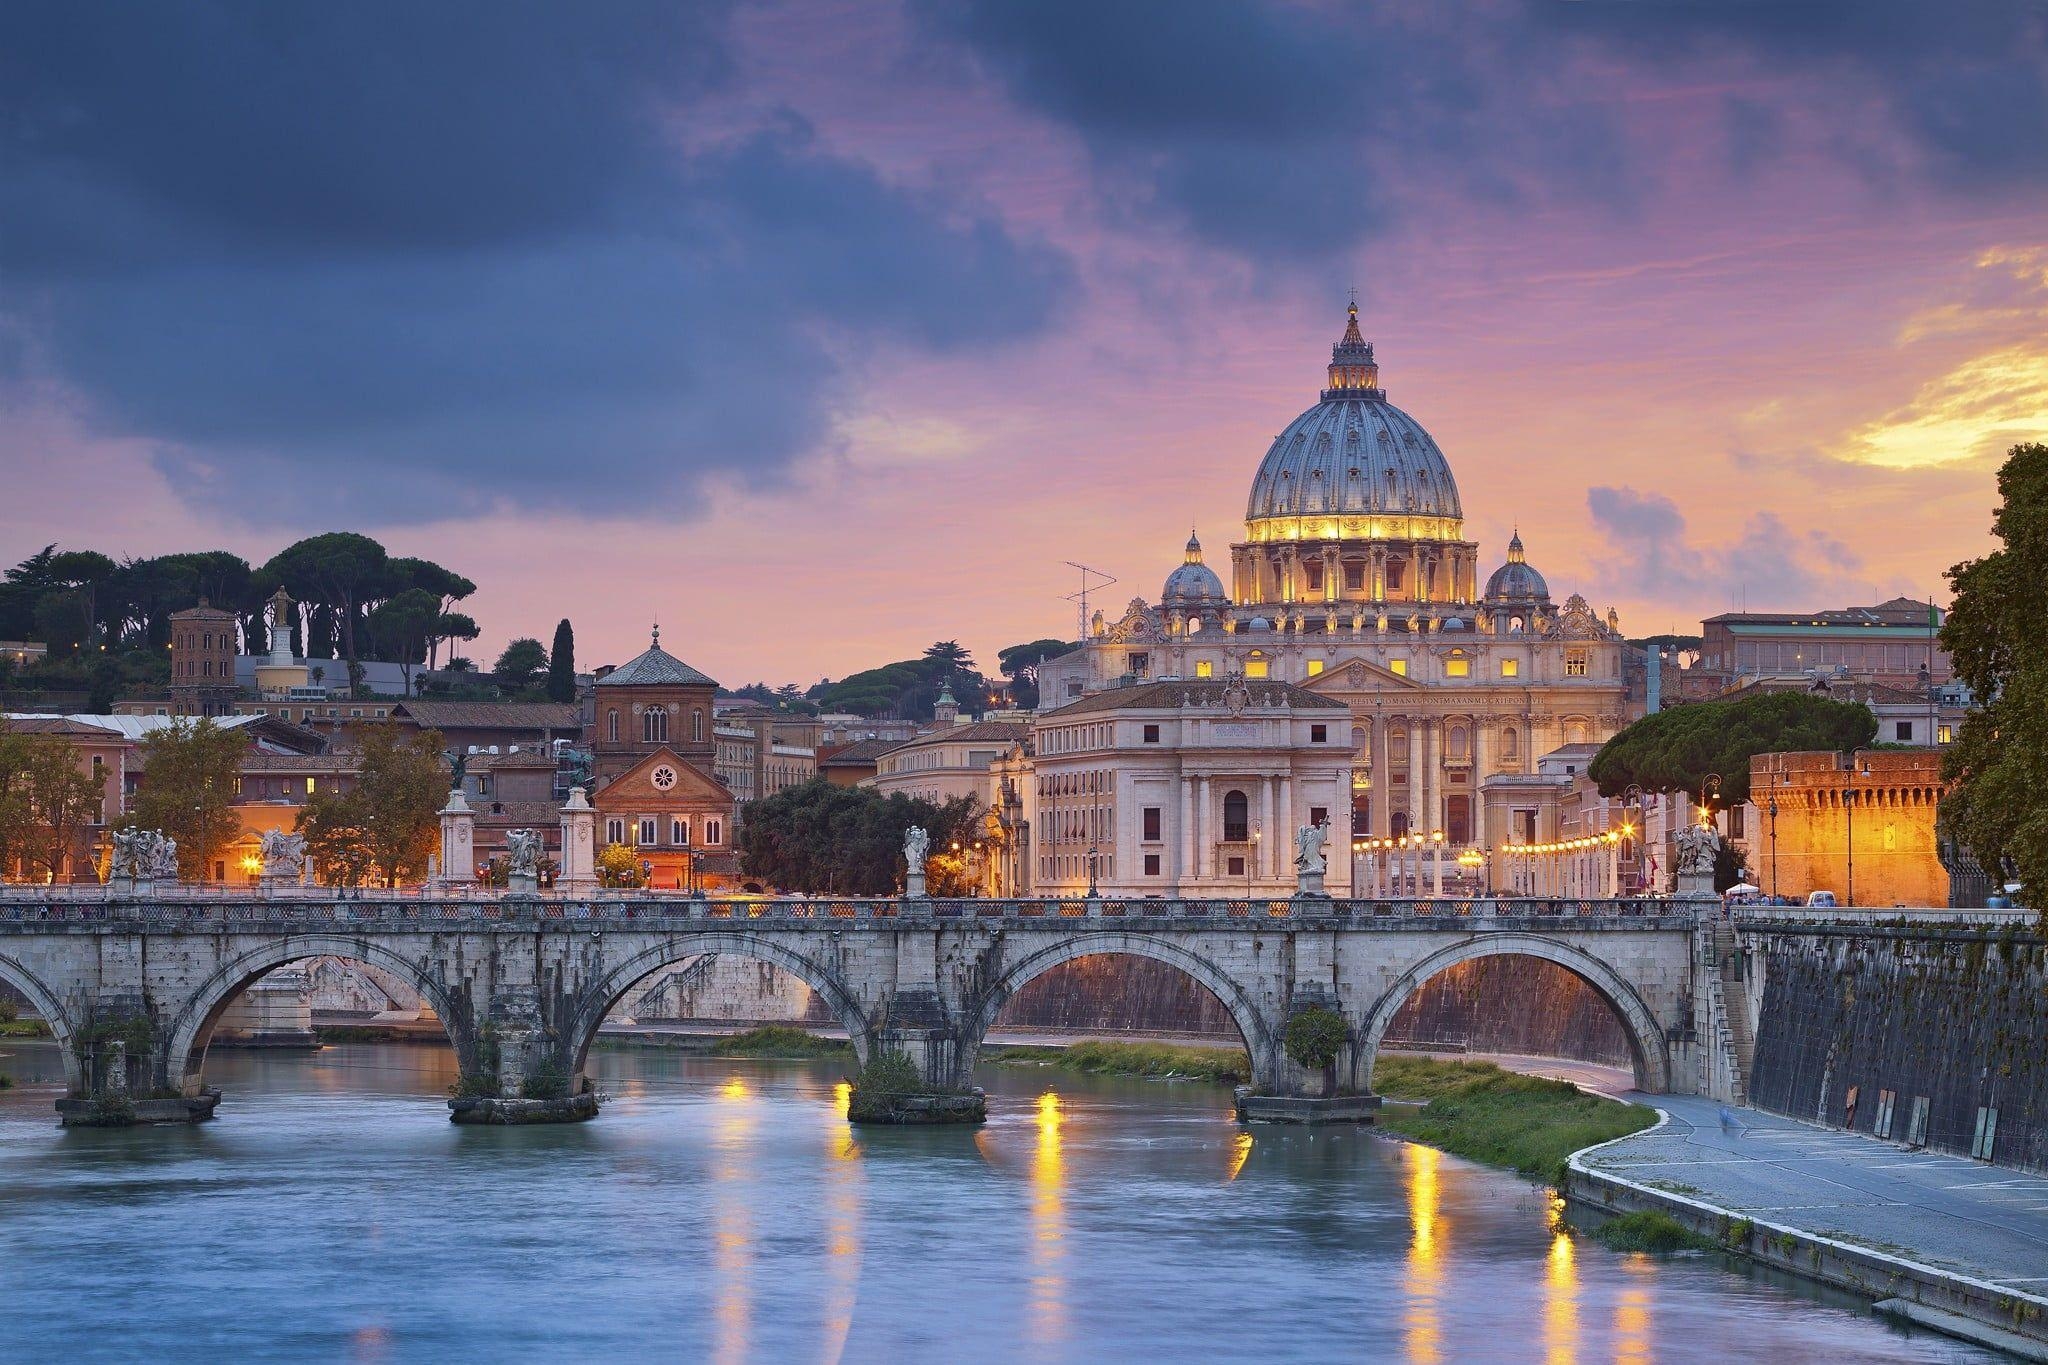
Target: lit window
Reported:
[(310, 785), (1204, 669), (1255, 668), (1315, 667), (1947, 735), (1457, 668), (1399, 667), (1575, 666), (1510, 667)]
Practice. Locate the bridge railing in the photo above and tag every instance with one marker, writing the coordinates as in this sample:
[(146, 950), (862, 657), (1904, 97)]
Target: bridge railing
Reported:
[(221, 906)]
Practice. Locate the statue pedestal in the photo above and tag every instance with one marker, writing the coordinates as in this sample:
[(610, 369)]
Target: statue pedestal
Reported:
[(522, 884), (1696, 884), (913, 886)]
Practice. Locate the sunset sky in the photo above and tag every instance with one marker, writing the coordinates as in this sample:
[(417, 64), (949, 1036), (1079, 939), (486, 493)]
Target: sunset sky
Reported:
[(821, 331)]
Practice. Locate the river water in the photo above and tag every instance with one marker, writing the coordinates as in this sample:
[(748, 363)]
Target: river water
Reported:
[(725, 1210)]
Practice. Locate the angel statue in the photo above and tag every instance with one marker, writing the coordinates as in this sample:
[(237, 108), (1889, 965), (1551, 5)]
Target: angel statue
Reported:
[(284, 854), (916, 843), (522, 849), (163, 856), (1309, 852)]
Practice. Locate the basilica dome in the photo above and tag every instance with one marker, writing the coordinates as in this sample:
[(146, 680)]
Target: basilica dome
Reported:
[(1354, 466), (1194, 584), (1517, 580)]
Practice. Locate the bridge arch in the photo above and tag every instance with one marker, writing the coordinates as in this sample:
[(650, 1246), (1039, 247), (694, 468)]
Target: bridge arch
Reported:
[(1260, 1041), (45, 1003), (606, 991), (192, 1028), (1646, 1041)]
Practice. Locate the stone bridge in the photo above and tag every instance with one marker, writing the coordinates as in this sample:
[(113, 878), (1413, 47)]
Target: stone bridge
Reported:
[(133, 987)]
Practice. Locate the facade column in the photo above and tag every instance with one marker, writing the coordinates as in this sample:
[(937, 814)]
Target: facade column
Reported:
[(1415, 760), (1382, 775), (1204, 850), (1433, 767), (1184, 869), (1478, 806), (1262, 855)]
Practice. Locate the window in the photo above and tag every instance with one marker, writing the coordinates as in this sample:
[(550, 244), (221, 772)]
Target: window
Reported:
[(646, 829), (1354, 576), (1457, 668), (355, 713), (381, 713), (1398, 667), (654, 725), (1945, 735), (1510, 668), (697, 725), (1073, 687), (679, 832), (1904, 732), (1205, 669), (611, 726), (1575, 665), (1319, 734), (1151, 864), (1315, 668), (1151, 734), (1235, 867), (1319, 815), (1256, 668), (712, 831), (1151, 824), (312, 785), (1236, 818), (1140, 664)]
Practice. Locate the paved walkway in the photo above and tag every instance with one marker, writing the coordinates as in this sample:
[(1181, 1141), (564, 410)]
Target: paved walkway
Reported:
[(1950, 1212)]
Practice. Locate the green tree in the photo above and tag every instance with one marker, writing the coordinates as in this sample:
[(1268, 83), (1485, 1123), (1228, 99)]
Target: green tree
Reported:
[(63, 803), (521, 662), (191, 770), (1019, 663), (1675, 750), (618, 866), (388, 823), (16, 811), (1997, 804), (403, 626), (1313, 1039), (340, 570), (824, 839), (562, 663)]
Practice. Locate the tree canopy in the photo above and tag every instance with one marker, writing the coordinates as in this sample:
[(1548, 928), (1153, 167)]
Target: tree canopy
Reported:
[(522, 660), (1676, 750), (562, 663), (191, 770), (824, 839), (909, 688), (388, 823), (1998, 765)]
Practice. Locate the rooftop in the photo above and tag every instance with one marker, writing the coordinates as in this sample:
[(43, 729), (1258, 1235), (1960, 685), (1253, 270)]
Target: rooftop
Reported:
[(1261, 694), (492, 715), (656, 667)]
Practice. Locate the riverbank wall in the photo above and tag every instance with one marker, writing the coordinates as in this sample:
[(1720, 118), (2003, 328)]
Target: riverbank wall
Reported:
[(1916, 1027), (1960, 1305)]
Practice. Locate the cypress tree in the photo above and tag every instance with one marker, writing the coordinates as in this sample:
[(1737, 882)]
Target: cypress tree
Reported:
[(562, 664)]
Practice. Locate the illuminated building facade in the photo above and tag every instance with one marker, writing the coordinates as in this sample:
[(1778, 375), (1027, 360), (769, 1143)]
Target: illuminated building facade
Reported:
[(1355, 580)]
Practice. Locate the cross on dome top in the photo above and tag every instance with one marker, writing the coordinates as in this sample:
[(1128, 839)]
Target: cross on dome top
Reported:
[(1353, 371)]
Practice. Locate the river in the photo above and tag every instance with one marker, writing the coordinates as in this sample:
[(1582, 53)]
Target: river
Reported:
[(725, 1210)]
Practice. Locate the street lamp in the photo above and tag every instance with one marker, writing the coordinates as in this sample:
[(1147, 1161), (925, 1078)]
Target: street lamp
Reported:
[(1849, 806), (1437, 863)]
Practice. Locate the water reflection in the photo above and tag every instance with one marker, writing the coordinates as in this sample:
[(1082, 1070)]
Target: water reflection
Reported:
[(1240, 1152), (1561, 1301), (1632, 1312), (1049, 1227), (1423, 1281), (732, 1196), (843, 1198)]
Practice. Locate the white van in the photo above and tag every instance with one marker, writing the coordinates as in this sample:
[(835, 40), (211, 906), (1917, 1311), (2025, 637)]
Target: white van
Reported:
[(1821, 899)]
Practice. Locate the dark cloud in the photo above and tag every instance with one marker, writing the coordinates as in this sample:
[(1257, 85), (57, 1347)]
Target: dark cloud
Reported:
[(1653, 555), (1293, 134), (457, 245)]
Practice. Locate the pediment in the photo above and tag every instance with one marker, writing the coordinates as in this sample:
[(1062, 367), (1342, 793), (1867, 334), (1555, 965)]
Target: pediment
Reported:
[(1360, 676), (638, 785)]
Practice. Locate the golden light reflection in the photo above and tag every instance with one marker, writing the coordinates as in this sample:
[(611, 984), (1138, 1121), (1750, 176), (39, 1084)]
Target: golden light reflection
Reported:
[(1240, 1152), (842, 1098), (1561, 1301), (1423, 1322), (1049, 1227), (844, 1198), (732, 1223), (1632, 1313)]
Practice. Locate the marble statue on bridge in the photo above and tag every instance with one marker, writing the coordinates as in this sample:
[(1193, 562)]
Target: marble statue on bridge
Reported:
[(144, 855), (1311, 859), (284, 856), (916, 845)]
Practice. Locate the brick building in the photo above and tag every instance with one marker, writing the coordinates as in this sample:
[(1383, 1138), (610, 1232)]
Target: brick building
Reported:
[(1861, 826)]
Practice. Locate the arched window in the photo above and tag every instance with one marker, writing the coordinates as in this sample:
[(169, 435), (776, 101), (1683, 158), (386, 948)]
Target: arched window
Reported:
[(615, 828), (712, 831), (611, 730), (679, 832), (1236, 821), (697, 725), (654, 725), (1508, 744)]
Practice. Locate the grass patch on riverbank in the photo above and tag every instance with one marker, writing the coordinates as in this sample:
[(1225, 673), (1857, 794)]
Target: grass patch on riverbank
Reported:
[(23, 1028), (1649, 1230), (779, 1040), (1477, 1110), (1227, 1066)]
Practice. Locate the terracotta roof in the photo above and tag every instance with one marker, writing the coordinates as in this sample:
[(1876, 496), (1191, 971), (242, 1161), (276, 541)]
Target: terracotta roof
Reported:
[(981, 732), (54, 725), (861, 753), (258, 761), (518, 814), (1265, 695), (492, 715), (525, 758)]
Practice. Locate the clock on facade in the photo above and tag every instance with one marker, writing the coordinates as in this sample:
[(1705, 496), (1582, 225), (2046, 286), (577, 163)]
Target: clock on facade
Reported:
[(663, 777)]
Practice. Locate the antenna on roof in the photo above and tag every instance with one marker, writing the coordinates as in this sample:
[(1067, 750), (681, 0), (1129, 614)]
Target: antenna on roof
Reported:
[(1081, 598)]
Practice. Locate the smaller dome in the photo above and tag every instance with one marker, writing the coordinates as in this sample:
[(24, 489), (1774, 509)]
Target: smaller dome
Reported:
[(1258, 624), (1193, 584), (1517, 580)]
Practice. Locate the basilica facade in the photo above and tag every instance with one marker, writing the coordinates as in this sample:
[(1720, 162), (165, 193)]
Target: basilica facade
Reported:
[(1354, 582)]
